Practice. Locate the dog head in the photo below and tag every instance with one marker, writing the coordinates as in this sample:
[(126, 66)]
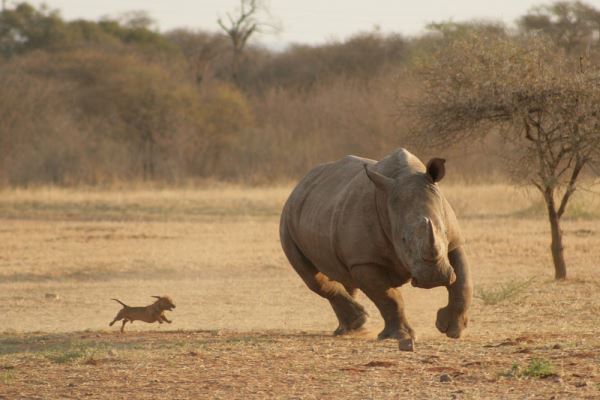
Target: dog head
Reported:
[(164, 302)]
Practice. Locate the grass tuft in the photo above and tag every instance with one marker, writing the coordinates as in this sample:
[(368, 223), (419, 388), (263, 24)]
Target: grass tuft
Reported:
[(86, 356), (7, 377), (537, 368), (503, 292), (63, 357)]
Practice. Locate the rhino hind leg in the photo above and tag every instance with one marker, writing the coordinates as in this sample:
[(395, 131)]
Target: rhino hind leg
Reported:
[(376, 284), (350, 314)]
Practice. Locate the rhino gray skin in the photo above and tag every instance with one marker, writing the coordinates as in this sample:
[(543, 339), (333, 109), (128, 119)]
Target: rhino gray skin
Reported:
[(361, 224)]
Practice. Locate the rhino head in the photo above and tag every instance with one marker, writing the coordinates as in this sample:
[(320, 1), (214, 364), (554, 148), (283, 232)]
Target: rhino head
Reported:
[(415, 210)]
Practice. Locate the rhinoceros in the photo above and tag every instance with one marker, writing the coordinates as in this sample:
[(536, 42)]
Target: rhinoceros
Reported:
[(361, 224)]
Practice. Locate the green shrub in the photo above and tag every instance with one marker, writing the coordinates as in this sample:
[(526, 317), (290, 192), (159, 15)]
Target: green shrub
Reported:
[(504, 291)]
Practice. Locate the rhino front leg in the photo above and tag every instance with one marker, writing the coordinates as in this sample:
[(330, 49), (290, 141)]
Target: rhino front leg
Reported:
[(376, 284), (453, 318)]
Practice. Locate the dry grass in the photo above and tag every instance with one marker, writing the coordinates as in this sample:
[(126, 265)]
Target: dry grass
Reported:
[(143, 204), (246, 327), (301, 365)]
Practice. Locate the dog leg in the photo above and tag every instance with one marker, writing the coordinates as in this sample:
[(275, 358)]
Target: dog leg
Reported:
[(123, 326), (165, 319), (118, 317)]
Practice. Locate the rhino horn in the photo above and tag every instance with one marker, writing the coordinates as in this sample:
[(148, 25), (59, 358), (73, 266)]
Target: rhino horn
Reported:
[(436, 169), (381, 181), (431, 234)]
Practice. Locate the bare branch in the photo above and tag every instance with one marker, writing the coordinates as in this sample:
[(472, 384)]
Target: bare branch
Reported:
[(538, 186), (570, 187), (241, 28), (560, 172), (528, 131)]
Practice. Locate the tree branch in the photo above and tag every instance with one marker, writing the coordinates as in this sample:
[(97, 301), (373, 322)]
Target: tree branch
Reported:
[(570, 187), (566, 168), (528, 131)]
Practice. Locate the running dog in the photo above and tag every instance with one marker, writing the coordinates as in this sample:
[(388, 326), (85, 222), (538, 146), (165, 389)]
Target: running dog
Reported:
[(155, 312)]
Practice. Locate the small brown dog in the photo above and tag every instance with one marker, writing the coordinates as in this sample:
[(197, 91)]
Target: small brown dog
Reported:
[(152, 313)]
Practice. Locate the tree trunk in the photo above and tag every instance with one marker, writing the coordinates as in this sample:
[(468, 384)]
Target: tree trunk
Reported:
[(560, 268), (235, 66), (148, 158)]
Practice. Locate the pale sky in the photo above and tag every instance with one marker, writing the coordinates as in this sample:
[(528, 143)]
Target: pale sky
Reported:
[(307, 21)]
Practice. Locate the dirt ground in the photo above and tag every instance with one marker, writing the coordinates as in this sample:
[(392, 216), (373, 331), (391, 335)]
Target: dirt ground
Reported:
[(245, 325)]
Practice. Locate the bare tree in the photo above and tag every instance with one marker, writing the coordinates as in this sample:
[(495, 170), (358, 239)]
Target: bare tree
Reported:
[(250, 18), (545, 104), (202, 50)]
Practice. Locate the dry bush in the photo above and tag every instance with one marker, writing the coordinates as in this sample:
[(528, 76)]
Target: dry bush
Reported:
[(38, 139), (364, 56), (297, 130), (570, 25), (119, 102), (89, 116)]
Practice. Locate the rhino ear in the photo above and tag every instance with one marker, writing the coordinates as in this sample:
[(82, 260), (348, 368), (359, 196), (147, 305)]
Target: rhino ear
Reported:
[(381, 181), (436, 169)]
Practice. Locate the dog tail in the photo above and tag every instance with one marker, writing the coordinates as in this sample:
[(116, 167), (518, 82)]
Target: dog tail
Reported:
[(119, 301)]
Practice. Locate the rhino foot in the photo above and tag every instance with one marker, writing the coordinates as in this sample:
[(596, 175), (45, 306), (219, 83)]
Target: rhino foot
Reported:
[(388, 333), (451, 322), (406, 344), (353, 326)]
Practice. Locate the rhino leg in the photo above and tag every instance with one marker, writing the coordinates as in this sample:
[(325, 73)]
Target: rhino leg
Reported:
[(376, 284), (350, 314), (453, 318)]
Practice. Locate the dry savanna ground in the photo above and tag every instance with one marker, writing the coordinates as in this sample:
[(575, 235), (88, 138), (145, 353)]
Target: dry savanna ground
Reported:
[(246, 327)]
